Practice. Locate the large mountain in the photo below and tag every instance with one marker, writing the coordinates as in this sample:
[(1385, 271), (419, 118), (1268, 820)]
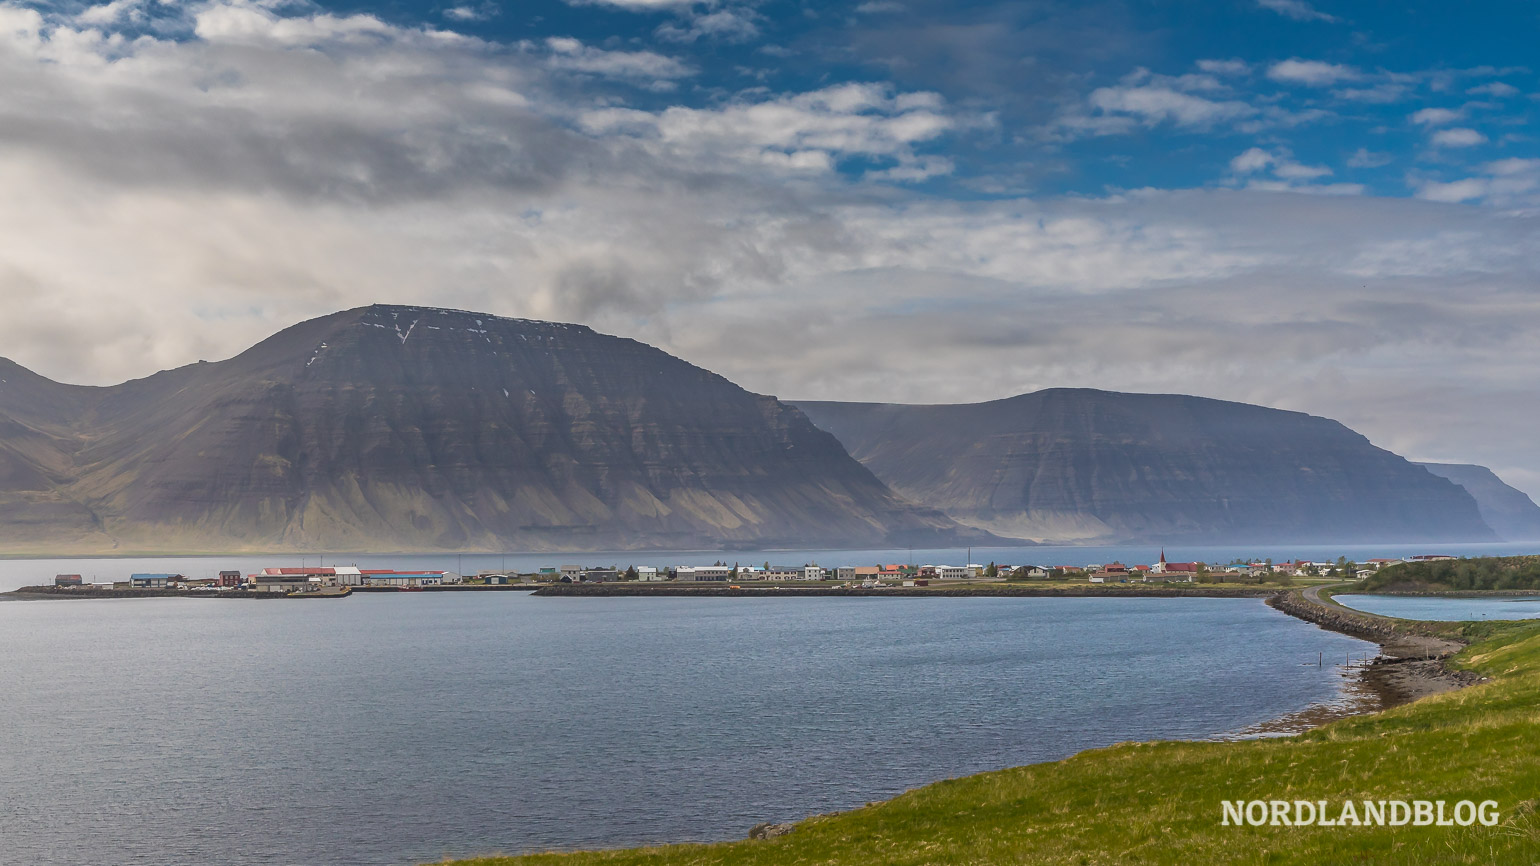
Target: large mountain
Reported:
[(1509, 511), (1081, 465), (401, 428)]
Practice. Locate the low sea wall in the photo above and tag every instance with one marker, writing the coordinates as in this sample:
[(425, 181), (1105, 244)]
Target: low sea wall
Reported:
[(631, 589)]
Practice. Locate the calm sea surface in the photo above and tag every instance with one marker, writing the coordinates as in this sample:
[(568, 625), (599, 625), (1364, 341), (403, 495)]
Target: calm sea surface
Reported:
[(1446, 609), (391, 729)]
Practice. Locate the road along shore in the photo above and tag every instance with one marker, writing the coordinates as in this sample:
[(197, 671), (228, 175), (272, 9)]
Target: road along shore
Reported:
[(1412, 656)]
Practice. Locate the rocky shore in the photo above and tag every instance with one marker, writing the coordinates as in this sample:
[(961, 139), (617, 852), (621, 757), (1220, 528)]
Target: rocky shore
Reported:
[(597, 590), (57, 592), (1413, 654)]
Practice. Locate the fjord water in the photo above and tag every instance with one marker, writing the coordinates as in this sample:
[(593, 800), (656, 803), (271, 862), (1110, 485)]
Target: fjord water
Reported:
[(400, 728), (1445, 608)]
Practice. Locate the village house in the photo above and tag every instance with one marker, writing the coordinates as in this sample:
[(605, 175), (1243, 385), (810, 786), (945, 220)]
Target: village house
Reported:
[(68, 580), (402, 579), (711, 573), (647, 573), (1164, 567), (292, 579)]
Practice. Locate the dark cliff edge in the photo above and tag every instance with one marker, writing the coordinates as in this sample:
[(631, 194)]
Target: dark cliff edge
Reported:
[(395, 429), (1509, 511), (1086, 466)]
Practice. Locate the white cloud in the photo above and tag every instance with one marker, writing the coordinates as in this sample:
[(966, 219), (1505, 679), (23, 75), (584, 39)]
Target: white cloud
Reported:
[(111, 13), (1288, 175), (635, 5), (1494, 89), (1311, 72), (1505, 182), (1454, 191), (482, 12), (1382, 93), (1253, 160), (1155, 105), (1299, 10), (1225, 67), (802, 133), (1198, 101), (726, 25), (1458, 137), (1366, 158), (1296, 171), (1435, 116), (250, 22), (570, 55)]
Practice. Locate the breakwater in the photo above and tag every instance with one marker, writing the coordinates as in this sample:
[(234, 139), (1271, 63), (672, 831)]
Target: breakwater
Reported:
[(601, 590)]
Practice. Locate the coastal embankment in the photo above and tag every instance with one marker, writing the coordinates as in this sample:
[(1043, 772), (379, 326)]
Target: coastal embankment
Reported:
[(1413, 660), (978, 590), (39, 593)]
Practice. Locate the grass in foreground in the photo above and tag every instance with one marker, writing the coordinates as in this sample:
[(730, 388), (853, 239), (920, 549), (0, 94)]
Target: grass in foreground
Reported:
[(1160, 802)]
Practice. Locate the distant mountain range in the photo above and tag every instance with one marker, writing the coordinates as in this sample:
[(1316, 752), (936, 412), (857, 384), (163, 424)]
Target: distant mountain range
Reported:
[(1510, 512), (404, 428), (1079, 465), (392, 428)]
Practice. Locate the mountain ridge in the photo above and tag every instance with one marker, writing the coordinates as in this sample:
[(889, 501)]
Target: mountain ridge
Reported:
[(405, 427), (1080, 465), (1511, 513)]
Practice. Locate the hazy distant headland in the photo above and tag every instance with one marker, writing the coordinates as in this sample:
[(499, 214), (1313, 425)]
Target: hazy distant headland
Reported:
[(389, 428)]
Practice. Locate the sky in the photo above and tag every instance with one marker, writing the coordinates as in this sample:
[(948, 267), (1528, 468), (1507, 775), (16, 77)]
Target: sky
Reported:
[(1328, 207)]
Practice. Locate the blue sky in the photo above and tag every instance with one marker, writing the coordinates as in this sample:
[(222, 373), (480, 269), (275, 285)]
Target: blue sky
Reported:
[(1326, 207), (1095, 97)]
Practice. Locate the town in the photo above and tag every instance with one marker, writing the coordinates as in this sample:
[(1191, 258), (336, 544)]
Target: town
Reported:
[(334, 581)]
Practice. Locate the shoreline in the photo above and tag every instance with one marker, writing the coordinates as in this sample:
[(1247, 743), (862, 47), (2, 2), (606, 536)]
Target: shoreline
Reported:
[(1412, 662), (991, 590)]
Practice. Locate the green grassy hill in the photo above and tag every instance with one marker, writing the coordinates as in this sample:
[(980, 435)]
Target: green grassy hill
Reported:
[(1161, 802), (1488, 572)]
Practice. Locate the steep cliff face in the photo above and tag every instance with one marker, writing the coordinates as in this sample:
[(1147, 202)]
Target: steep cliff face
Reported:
[(1509, 511), (1079, 465), (409, 428)]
